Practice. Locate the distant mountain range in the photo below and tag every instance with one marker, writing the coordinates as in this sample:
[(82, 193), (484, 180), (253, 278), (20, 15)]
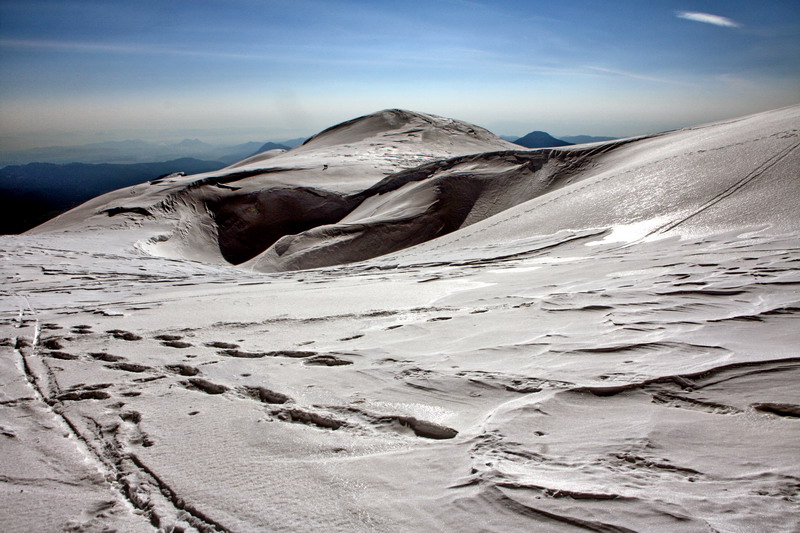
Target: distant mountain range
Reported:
[(138, 151)]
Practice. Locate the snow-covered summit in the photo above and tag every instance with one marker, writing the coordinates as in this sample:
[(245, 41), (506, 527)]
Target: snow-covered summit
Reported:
[(400, 125)]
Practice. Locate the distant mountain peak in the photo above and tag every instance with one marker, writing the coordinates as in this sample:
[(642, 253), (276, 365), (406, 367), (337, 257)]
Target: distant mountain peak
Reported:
[(540, 139), (191, 142)]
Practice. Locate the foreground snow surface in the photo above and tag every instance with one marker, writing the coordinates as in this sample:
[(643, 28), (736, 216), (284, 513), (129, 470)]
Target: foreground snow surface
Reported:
[(505, 377)]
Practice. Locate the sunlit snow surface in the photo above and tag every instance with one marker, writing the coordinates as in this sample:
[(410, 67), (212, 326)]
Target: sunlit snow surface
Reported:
[(617, 354)]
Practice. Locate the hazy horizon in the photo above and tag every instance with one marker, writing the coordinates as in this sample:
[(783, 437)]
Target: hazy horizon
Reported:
[(83, 71)]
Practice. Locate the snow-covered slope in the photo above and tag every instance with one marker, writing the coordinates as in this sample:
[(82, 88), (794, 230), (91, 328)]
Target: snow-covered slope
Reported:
[(234, 214), (596, 338), (327, 202), (733, 176)]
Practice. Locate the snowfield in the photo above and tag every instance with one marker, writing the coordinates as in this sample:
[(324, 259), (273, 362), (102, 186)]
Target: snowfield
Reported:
[(408, 324)]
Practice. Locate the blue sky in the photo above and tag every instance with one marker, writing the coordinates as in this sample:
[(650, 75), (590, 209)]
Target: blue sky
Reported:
[(78, 71)]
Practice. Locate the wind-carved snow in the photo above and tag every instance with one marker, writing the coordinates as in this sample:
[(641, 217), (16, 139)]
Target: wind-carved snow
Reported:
[(485, 350)]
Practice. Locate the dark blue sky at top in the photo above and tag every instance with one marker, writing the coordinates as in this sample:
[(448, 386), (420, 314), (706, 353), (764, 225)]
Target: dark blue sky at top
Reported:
[(283, 68)]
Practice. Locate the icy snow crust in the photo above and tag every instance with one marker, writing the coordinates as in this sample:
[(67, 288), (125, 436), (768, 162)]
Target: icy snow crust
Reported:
[(427, 330)]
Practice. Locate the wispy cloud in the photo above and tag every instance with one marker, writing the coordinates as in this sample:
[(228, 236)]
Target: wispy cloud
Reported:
[(118, 48), (636, 76), (708, 18)]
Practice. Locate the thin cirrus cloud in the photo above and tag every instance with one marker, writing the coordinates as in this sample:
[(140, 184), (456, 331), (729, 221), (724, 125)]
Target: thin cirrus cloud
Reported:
[(708, 18), (634, 75), (62, 46)]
